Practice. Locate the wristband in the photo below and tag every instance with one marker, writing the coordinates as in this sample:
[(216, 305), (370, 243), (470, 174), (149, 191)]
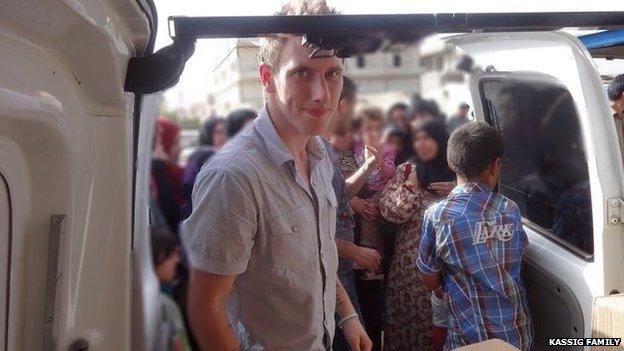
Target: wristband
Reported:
[(347, 318)]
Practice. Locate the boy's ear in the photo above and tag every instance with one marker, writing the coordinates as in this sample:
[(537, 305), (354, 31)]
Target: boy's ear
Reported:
[(494, 167)]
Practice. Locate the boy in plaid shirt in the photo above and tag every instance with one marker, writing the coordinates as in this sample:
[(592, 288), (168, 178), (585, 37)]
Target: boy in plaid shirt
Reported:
[(473, 243)]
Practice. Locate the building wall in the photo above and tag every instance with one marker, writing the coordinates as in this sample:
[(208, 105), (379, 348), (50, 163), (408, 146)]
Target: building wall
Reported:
[(381, 79)]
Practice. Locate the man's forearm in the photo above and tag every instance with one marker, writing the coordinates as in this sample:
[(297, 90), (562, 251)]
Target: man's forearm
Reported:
[(343, 303), (356, 181), (211, 327)]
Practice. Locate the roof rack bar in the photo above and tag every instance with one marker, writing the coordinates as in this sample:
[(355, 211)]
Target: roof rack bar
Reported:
[(253, 26)]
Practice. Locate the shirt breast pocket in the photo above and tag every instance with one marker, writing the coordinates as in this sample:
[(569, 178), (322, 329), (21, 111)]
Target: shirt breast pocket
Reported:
[(332, 209), (291, 236)]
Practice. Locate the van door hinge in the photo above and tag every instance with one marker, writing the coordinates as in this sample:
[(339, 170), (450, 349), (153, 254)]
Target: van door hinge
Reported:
[(616, 211)]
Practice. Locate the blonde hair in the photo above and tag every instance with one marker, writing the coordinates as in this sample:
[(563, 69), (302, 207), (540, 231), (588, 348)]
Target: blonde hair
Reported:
[(272, 47)]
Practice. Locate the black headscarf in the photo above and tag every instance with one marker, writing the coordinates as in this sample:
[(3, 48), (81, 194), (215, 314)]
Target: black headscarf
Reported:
[(407, 152), (205, 134), (436, 170), (236, 120)]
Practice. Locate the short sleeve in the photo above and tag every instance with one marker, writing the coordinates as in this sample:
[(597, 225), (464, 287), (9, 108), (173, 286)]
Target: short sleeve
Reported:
[(428, 261), (218, 236)]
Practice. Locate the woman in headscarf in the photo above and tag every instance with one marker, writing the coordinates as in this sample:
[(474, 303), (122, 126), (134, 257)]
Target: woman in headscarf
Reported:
[(239, 119), (166, 182), (212, 137), (416, 184)]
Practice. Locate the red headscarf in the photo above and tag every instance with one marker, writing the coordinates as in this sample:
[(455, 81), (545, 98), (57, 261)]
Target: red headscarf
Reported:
[(169, 132)]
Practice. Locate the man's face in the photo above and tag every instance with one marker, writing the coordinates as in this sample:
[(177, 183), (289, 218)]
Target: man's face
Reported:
[(304, 91)]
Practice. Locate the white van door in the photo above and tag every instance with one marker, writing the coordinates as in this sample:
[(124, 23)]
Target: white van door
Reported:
[(561, 164), (5, 259)]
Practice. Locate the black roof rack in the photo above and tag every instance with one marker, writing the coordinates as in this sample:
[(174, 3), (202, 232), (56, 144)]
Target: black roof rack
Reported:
[(347, 34), (253, 26)]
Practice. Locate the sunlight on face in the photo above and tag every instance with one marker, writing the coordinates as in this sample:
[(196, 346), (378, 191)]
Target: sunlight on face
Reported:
[(307, 90)]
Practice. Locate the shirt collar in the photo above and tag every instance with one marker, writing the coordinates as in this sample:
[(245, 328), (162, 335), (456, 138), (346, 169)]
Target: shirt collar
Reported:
[(275, 147), (471, 187)]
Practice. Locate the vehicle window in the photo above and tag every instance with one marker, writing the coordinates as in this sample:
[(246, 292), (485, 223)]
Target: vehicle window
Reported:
[(544, 168)]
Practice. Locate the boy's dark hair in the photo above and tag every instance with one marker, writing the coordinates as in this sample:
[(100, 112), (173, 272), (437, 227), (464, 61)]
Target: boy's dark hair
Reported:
[(236, 120), (472, 148), (349, 89), (164, 243), (616, 88)]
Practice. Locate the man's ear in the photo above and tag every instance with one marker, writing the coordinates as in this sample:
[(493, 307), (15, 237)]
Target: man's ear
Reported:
[(266, 77), (342, 106)]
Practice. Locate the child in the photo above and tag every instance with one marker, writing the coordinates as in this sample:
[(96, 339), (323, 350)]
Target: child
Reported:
[(370, 132), (165, 255), (473, 244)]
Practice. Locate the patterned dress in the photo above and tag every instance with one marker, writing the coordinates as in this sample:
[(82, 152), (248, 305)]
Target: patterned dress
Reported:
[(408, 317), (347, 163)]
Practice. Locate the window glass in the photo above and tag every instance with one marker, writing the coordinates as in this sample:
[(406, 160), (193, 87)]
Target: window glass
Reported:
[(544, 169)]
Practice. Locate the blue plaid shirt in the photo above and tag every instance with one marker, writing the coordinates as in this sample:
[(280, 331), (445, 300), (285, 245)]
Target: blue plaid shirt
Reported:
[(475, 237)]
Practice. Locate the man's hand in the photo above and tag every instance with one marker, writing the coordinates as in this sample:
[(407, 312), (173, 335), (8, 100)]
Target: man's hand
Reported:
[(368, 259), (442, 188), (356, 336)]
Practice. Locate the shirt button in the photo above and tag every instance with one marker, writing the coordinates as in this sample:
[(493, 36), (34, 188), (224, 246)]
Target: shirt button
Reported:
[(295, 229), (313, 183)]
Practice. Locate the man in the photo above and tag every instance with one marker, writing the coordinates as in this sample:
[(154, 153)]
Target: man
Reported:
[(261, 237), (472, 245), (348, 252), (458, 119), (616, 98)]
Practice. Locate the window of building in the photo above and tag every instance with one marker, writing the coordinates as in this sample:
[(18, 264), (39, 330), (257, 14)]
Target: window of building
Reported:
[(396, 60), (360, 62), (544, 167)]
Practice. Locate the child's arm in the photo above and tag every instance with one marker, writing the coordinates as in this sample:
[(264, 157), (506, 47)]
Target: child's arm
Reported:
[(428, 262), (431, 281), (387, 165), (397, 200), (357, 180)]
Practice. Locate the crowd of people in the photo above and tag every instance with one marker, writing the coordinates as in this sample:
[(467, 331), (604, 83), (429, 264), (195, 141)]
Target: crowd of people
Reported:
[(314, 224)]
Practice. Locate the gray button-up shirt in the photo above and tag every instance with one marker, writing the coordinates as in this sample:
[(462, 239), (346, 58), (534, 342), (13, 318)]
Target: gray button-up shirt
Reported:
[(255, 217)]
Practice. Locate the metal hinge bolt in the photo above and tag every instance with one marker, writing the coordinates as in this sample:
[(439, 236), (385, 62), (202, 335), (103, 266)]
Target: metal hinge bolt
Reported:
[(616, 211)]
